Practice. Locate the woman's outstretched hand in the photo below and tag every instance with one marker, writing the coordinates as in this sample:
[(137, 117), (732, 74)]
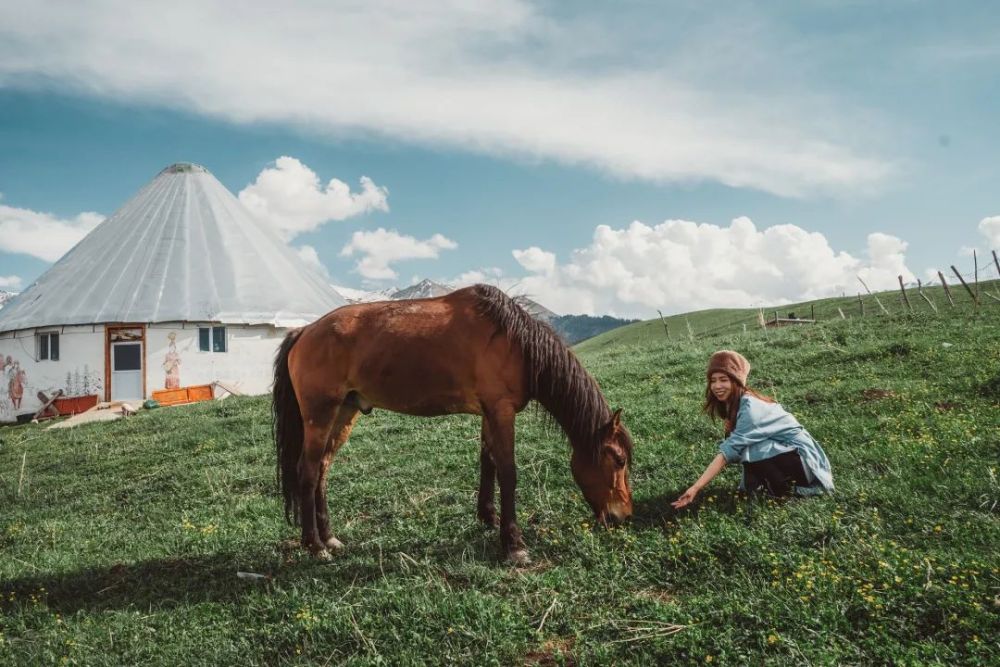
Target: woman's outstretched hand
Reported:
[(686, 498)]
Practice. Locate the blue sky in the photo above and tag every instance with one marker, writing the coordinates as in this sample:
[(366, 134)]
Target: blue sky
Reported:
[(593, 157)]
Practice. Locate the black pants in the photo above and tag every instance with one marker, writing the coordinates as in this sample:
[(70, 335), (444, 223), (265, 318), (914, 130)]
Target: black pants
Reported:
[(778, 475)]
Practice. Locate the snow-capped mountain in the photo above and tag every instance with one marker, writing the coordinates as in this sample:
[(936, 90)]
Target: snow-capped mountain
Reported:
[(362, 296), (423, 290)]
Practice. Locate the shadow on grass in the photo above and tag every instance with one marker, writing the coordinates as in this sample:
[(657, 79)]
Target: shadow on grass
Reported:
[(657, 512), (165, 583), (157, 584)]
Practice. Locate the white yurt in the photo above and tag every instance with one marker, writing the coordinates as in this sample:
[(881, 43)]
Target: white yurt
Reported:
[(181, 287)]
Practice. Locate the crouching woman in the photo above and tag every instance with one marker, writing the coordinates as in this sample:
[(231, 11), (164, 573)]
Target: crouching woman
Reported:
[(779, 457)]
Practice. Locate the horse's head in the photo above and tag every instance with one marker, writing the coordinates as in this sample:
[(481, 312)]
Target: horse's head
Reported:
[(604, 479)]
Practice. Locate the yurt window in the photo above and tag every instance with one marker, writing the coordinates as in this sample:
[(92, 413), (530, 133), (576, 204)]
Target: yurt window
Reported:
[(48, 346), (212, 339)]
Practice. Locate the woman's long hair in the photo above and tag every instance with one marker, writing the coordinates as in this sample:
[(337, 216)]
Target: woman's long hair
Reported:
[(728, 410)]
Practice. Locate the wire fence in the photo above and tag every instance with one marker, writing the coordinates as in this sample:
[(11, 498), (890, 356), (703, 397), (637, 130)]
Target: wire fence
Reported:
[(974, 285)]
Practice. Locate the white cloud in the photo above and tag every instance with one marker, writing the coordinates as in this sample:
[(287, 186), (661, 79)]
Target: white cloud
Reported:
[(536, 260), (308, 254), (10, 282), (380, 248), (291, 198), (489, 276), (42, 235), (990, 228), (497, 77), (679, 266)]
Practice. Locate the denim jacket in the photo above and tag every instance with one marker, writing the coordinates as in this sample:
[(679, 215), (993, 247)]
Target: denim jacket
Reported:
[(764, 430)]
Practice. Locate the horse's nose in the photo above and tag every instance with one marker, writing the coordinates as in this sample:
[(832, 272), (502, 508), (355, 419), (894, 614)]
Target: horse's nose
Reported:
[(618, 513)]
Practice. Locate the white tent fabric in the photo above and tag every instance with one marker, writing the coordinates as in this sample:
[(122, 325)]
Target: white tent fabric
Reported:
[(183, 249)]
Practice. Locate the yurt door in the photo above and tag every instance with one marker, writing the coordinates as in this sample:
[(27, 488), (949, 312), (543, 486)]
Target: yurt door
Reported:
[(126, 371)]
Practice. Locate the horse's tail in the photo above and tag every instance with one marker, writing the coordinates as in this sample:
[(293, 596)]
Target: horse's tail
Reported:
[(288, 431)]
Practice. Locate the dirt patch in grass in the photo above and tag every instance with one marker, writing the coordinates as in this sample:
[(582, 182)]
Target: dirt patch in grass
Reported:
[(945, 406), (556, 651), (658, 595), (877, 394)]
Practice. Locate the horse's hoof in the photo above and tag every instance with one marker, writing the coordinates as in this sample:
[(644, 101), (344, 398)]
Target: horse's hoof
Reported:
[(519, 558), (334, 544)]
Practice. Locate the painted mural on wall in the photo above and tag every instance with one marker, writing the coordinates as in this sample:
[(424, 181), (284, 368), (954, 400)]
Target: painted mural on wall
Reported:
[(83, 383), (13, 380), (172, 364)]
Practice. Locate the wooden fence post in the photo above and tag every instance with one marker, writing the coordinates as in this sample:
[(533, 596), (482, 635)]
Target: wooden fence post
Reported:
[(812, 311), (874, 295), (920, 291), (862, 303), (975, 272), (967, 288), (947, 291), (666, 329), (906, 299), (996, 262), (842, 316)]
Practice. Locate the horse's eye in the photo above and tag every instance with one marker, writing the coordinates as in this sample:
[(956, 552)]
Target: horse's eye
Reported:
[(617, 457)]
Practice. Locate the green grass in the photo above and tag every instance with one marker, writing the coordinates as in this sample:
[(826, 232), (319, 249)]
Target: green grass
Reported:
[(121, 542)]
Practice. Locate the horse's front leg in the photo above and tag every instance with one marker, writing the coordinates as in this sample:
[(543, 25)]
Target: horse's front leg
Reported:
[(342, 425), (502, 439), (487, 480)]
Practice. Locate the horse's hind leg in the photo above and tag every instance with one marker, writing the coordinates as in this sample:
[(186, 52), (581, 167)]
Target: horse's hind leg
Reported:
[(318, 420), (487, 480), (342, 425)]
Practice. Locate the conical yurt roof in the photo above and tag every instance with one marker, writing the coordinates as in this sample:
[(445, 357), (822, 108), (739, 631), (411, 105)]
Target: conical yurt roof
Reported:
[(182, 249)]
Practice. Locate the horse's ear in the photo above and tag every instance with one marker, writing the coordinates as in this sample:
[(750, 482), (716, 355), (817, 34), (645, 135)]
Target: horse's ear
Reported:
[(616, 419)]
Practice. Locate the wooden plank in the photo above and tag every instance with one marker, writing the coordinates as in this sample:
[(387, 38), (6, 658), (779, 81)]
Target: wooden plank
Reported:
[(47, 403)]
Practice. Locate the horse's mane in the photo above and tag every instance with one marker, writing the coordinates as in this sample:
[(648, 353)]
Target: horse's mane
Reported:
[(556, 378)]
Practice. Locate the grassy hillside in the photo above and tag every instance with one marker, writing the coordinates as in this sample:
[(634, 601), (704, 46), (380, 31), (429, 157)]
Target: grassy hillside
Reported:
[(720, 321), (121, 542), (576, 328)]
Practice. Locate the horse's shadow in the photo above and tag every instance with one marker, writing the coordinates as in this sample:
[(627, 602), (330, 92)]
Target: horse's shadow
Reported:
[(170, 582)]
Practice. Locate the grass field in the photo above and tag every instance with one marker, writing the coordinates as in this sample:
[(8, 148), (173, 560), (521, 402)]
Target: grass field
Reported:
[(121, 542)]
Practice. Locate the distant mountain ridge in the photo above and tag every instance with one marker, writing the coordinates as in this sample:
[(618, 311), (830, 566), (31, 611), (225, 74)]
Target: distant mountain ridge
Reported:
[(578, 328), (572, 328), (6, 296)]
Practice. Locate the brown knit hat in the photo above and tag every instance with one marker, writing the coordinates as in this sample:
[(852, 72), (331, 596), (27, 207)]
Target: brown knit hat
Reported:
[(733, 364)]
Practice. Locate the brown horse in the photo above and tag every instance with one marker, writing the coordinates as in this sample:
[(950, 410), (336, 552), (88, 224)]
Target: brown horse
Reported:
[(473, 351)]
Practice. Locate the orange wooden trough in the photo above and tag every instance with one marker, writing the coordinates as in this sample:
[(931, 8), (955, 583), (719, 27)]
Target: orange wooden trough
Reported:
[(192, 394), (74, 405)]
